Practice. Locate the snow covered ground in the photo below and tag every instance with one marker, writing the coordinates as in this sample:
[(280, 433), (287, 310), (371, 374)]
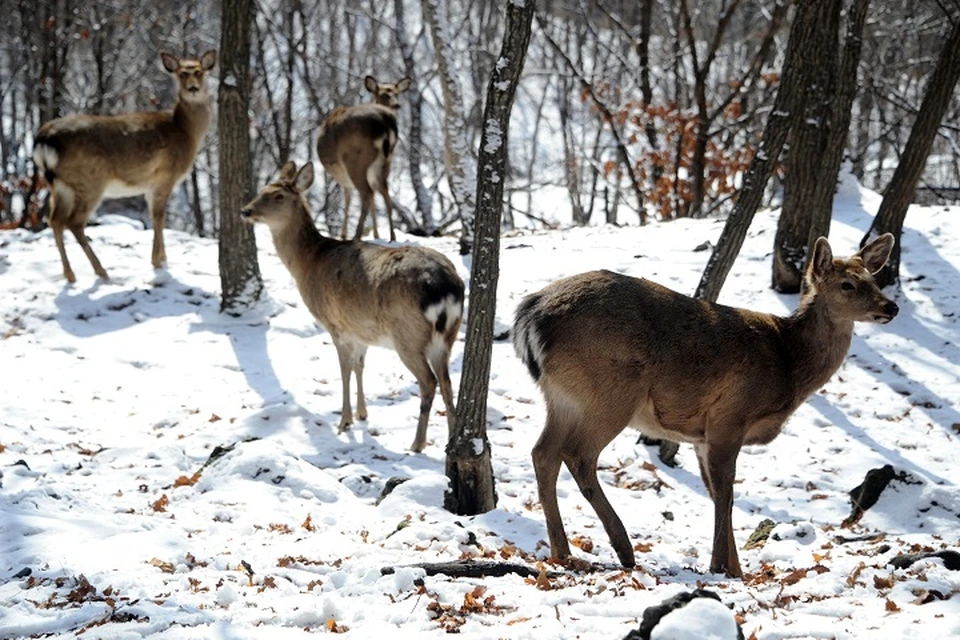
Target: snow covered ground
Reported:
[(115, 394)]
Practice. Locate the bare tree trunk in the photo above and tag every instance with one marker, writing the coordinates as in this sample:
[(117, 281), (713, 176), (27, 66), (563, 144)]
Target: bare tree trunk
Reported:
[(197, 207), (821, 204), (646, 91), (808, 138), (240, 279), (468, 452), (789, 93), (461, 172), (903, 184), (415, 135)]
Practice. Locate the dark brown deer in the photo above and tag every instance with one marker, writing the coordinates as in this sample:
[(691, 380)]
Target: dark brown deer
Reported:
[(88, 158), (609, 351), (409, 299), (356, 147)]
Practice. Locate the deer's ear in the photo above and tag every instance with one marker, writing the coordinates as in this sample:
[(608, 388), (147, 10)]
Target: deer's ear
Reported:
[(876, 254), (170, 62), (370, 83), (304, 178), (822, 260), (288, 171), (208, 60), (403, 85)]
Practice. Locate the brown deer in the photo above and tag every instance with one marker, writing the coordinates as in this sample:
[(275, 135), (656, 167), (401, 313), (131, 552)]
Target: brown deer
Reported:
[(409, 299), (356, 147), (88, 158), (609, 351)]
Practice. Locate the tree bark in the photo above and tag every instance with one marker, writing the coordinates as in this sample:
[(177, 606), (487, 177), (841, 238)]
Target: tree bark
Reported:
[(903, 184), (468, 452), (415, 136), (807, 140), (821, 205), (789, 93), (240, 281), (461, 173)]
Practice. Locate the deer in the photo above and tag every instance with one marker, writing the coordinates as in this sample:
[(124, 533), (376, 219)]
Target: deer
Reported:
[(406, 298), (356, 145), (609, 351), (86, 158)]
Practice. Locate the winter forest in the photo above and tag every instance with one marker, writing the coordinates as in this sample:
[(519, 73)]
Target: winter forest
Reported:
[(174, 461)]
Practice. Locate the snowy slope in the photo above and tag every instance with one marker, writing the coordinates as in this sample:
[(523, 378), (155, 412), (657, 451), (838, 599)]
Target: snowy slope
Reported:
[(116, 393)]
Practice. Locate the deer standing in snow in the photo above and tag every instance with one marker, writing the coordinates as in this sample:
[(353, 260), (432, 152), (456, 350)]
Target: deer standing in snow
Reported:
[(409, 299), (87, 158), (609, 351), (356, 147)]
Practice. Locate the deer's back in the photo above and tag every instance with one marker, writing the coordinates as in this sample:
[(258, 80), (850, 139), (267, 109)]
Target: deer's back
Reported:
[(651, 355), (348, 131), (131, 148), (374, 293)]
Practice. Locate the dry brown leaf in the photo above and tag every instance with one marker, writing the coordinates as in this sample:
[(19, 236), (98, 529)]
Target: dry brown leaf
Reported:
[(184, 481), (852, 578), (214, 418), (161, 504), (543, 582), (308, 524), (643, 547), (333, 627), (584, 543), (166, 567), (882, 583), (891, 606)]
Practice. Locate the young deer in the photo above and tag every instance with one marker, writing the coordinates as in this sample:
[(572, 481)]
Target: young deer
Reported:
[(88, 158), (356, 146), (409, 299), (609, 351)]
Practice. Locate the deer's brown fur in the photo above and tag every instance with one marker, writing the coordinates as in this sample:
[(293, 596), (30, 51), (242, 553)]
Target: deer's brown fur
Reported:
[(87, 158), (609, 351), (356, 145), (408, 298)]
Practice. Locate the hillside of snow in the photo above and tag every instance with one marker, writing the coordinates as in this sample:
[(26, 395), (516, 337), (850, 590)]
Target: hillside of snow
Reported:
[(171, 472)]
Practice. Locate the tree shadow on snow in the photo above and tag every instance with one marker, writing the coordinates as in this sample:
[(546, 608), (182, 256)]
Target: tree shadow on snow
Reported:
[(84, 315)]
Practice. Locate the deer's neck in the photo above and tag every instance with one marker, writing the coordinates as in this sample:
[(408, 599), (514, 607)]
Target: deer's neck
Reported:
[(192, 117), (300, 246), (818, 344)]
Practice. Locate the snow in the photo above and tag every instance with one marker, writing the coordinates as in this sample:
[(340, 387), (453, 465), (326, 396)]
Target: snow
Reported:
[(493, 135), (115, 394), (700, 619)]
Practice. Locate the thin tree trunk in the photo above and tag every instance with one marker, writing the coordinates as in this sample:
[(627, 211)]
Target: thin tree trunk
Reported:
[(240, 279), (468, 452), (415, 135), (903, 184), (197, 207), (807, 140), (461, 173), (821, 204), (646, 90)]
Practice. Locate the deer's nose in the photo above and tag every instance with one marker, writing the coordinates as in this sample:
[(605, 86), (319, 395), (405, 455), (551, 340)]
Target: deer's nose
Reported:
[(891, 309), (246, 212)]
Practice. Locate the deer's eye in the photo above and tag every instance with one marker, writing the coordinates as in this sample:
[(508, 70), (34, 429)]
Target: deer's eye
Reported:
[(846, 285)]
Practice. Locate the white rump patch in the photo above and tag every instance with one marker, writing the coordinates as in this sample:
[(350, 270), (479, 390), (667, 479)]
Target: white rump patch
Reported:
[(526, 340), (450, 304), (45, 157), (375, 172)]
